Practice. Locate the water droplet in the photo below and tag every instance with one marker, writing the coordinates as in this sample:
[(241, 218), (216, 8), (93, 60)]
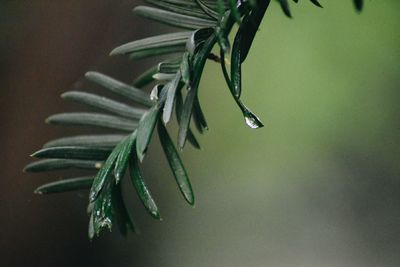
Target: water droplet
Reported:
[(154, 93), (98, 165), (252, 121), (106, 222)]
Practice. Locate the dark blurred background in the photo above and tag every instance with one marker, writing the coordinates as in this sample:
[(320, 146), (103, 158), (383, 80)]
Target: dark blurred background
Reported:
[(318, 186)]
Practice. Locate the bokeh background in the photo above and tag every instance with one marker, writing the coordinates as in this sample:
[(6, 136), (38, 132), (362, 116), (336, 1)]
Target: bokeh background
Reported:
[(318, 186)]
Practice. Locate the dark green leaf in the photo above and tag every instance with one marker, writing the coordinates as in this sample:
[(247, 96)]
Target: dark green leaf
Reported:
[(176, 164), (60, 164), (123, 157), (73, 152), (119, 88), (249, 27), (359, 4), (65, 185), (234, 10), (198, 116), (123, 219), (285, 7), (145, 130), (104, 104), (180, 9), (103, 212), (157, 52), (315, 2), (173, 19), (221, 7), (185, 68), (171, 88), (222, 31), (187, 111), (104, 172), (141, 188), (198, 64), (236, 66), (153, 43), (93, 120), (178, 107), (105, 141)]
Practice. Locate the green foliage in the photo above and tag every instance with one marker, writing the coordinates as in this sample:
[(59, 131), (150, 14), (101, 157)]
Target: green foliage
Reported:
[(177, 82)]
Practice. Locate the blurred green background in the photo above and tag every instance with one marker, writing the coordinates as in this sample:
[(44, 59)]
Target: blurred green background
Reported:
[(319, 185)]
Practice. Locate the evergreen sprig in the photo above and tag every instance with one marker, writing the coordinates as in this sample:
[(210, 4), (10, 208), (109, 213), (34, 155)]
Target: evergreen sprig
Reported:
[(206, 23)]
